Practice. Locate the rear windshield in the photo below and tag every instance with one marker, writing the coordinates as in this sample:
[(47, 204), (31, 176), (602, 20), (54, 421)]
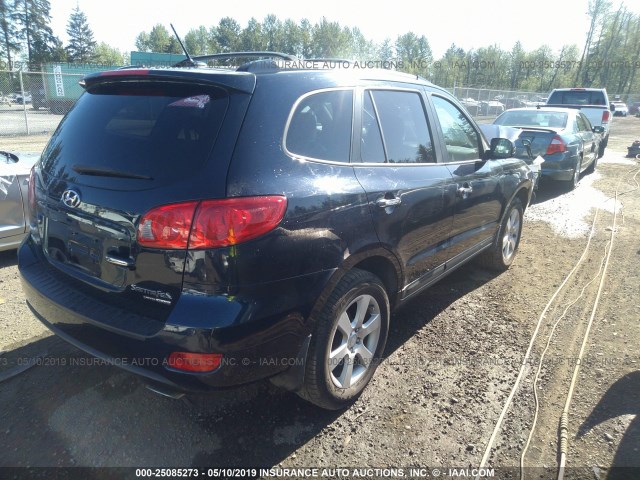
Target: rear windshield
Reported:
[(535, 118), (151, 132), (577, 97)]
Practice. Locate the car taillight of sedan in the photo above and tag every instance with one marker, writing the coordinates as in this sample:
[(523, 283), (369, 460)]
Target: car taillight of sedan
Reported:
[(557, 145)]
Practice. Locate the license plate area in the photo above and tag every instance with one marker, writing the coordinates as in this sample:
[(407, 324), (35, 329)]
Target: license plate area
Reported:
[(83, 243)]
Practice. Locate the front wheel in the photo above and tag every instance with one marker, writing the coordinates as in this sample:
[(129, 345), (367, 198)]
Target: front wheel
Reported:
[(503, 250), (348, 341)]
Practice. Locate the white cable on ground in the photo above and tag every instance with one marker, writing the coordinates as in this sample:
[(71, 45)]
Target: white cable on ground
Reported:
[(544, 352), (507, 404), (564, 419)]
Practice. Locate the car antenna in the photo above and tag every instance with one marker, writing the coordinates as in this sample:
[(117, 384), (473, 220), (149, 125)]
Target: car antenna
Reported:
[(188, 62)]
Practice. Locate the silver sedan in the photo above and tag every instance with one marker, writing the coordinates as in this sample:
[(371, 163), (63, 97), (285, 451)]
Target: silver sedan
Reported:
[(14, 205)]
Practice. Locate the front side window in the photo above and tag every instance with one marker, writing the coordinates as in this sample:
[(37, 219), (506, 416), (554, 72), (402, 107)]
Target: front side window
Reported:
[(402, 124), (461, 139), (320, 126)]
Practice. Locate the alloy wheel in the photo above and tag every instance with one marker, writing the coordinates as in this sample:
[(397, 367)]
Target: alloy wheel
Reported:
[(354, 341)]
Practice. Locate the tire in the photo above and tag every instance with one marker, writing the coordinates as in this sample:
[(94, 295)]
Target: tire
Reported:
[(592, 168), (358, 300), (505, 245), (573, 182), (602, 147)]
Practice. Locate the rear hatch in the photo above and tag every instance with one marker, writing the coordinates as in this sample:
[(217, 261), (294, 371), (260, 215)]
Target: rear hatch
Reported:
[(135, 141)]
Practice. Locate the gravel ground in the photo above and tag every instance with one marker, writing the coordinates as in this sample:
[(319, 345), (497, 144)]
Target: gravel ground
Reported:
[(452, 359)]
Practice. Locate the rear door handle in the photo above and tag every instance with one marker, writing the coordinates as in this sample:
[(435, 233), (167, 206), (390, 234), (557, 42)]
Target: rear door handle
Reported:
[(384, 202)]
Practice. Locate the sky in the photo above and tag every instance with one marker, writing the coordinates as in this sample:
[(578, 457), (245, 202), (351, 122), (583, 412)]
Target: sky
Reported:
[(467, 23)]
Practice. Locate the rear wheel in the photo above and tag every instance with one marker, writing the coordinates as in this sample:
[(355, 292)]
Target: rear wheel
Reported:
[(348, 340), (573, 182), (501, 254), (602, 146)]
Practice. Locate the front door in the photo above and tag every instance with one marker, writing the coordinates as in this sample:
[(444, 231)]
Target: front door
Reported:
[(478, 202)]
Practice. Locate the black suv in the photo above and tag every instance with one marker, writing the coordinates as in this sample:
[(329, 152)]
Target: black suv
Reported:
[(207, 228)]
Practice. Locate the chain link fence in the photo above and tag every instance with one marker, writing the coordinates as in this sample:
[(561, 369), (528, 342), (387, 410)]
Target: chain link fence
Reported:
[(487, 102), (34, 102), (482, 102)]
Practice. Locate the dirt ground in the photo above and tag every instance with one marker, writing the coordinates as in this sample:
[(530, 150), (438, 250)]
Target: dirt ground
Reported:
[(452, 359)]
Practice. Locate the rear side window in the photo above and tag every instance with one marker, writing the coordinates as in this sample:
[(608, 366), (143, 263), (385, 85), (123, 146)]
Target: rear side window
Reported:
[(320, 126), (153, 131), (577, 97), (405, 132)]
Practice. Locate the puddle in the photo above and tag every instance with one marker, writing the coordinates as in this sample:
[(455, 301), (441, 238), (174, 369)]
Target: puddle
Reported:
[(570, 214)]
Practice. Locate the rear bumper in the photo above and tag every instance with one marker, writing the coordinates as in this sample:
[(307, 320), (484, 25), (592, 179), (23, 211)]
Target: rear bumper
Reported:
[(254, 346), (558, 167), (560, 175)]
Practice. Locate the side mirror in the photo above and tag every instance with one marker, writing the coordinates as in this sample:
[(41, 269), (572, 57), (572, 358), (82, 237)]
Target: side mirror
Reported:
[(501, 148), (598, 129)]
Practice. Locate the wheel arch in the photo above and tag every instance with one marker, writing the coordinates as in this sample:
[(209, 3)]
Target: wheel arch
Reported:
[(379, 261)]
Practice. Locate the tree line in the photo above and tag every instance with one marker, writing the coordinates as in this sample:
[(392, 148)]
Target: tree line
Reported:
[(609, 57), (26, 37)]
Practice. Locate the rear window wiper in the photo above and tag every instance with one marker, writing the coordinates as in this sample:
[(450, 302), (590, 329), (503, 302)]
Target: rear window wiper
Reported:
[(106, 172)]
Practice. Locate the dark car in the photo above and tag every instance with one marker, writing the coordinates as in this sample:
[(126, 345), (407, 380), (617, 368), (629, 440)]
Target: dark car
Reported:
[(563, 137), (39, 98), (207, 228)]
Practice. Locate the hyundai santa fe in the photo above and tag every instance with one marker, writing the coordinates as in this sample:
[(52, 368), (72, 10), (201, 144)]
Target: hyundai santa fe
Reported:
[(207, 228)]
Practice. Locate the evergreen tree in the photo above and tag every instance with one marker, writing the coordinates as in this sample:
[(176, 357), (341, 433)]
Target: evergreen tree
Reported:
[(8, 41), (81, 43), (32, 19)]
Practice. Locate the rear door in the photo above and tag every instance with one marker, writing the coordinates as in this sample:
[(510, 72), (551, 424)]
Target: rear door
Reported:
[(396, 162), (478, 197), (126, 148), (588, 137)]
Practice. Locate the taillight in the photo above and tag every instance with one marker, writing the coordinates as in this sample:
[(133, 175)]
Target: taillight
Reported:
[(32, 191), (210, 223), (221, 223), (605, 116), (167, 226), (194, 362), (557, 145)]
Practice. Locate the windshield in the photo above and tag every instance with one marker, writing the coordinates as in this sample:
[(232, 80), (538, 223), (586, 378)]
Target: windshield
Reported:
[(533, 118), (144, 132)]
